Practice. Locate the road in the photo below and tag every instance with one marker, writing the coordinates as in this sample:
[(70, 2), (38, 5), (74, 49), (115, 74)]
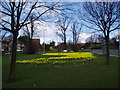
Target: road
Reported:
[(100, 51)]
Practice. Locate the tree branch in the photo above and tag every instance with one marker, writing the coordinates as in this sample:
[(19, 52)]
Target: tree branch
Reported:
[(117, 27), (5, 13), (5, 21), (7, 29), (3, 6), (22, 24)]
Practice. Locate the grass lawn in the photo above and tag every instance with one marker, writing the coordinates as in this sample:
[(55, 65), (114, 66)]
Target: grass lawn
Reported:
[(94, 74)]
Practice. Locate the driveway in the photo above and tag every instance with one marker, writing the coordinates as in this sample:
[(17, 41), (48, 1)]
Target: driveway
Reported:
[(100, 51)]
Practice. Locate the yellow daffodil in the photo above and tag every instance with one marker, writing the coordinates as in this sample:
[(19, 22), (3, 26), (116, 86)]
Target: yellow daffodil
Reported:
[(63, 58)]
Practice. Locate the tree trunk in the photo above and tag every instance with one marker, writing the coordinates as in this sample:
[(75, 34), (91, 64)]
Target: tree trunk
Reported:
[(13, 59), (107, 51), (65, 46)]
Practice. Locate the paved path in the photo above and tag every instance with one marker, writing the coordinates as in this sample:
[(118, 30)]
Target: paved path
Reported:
[(99, 51)]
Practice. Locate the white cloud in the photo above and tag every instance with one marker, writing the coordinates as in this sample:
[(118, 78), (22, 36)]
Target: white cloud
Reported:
[(83, 37), (44, 30), (48, 31)]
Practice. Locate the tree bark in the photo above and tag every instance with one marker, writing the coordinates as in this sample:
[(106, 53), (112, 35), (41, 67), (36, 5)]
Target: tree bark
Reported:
[(65, 46), (13, 59)]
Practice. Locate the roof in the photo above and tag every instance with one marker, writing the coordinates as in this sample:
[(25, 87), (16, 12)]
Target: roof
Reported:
[(117, 37)]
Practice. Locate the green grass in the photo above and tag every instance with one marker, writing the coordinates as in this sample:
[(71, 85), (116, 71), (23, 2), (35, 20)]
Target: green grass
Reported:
[(94, 74)]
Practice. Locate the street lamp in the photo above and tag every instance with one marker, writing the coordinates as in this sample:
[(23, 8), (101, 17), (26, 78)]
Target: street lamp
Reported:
[(118, 40), (43, 26)]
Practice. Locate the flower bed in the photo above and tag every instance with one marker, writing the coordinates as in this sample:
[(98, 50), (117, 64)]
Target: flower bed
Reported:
[(64, 58)]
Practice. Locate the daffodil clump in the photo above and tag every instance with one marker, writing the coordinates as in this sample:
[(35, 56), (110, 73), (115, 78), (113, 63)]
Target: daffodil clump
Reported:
[(64, 58)]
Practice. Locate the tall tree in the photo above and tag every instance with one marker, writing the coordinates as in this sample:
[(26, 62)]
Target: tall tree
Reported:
[(30, 30), (103, 17), (75, 29), (63, 24), (15, 16)]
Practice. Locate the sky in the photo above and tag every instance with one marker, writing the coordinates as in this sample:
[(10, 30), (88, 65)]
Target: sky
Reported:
[(47, 33), (46, 28)]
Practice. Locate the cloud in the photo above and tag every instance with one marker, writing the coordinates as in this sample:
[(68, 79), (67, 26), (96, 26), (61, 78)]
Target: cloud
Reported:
[(47, 31), (83, 37), (43, 30)]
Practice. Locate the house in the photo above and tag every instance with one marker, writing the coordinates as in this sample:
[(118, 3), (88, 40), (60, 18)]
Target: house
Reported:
[(20, 46), (6, 46), (36, 43), (117, 38)]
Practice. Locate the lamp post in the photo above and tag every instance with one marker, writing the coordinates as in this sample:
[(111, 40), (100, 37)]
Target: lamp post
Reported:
[(118, 40), (43, 26)]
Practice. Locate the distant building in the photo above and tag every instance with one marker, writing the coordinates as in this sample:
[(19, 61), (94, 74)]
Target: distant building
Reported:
[(36, 43), (20, 46), (6, 47), (117, 38), (69, 46)]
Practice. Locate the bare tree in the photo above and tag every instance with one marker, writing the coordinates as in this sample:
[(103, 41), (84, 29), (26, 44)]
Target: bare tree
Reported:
[(103, 17), (15, 16), (63, 24), (75, 29), (30, 30), (3, 35)]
